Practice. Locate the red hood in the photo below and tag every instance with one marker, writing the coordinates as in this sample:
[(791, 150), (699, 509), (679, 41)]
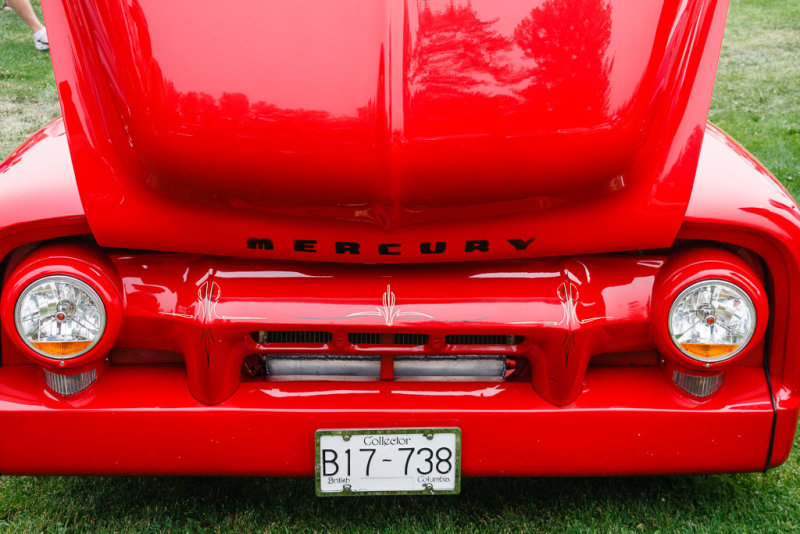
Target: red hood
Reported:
[(279, 129)]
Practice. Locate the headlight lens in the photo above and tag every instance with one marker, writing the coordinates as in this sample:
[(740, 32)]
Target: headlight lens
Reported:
[(60, 317), (712, 320)]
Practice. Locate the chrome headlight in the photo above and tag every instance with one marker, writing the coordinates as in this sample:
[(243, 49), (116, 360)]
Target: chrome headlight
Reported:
[(712, 320), (60, 317)]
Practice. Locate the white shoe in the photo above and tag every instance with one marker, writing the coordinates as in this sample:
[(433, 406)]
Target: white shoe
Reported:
[(40, 40)]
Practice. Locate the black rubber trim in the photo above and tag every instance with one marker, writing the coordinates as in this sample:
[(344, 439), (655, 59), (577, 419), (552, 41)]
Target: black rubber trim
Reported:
[(774, 410), (3, 267), (768, 376)]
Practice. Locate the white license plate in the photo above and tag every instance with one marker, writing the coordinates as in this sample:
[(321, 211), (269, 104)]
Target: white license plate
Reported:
[(353, 462)]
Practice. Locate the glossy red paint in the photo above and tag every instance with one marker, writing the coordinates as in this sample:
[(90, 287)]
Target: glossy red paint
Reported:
[(138, 396), (438, 123), (568, 311), (737, 201), (38, 196), (391, 143), (87, 264), (142, 420)]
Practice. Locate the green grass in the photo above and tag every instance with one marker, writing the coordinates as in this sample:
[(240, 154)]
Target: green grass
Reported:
[(28, 98), (757, 100), (757, 91), (719, 503)]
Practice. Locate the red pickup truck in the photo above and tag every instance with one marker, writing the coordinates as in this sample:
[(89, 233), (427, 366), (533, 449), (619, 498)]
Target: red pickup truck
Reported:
[(388, 243)]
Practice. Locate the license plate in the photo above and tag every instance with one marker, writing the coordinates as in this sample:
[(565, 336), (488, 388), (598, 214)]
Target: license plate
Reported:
[(388, 462)]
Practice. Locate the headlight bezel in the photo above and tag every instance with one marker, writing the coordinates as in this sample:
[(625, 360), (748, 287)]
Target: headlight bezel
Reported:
[(83, 262), (694, 265)]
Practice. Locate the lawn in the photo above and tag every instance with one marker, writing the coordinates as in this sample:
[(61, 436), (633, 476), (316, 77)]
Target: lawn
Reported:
[(757, 100), (28, 98)]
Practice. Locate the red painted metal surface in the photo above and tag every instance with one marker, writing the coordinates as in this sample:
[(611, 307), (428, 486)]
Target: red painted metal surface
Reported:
[(394, 136), (564, 318), (436, 131), (206, 308), (736, 200), (142, 420), (757, 213), (771, 231), (38, 196)]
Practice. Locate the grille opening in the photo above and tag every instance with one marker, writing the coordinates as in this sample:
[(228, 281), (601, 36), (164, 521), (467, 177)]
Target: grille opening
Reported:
[(351, 367), (410, 339), (377, 338), (292, 336), (253, 367), (483, 339), (364, 338)]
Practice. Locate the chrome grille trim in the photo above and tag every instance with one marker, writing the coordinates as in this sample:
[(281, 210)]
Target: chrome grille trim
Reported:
[(323, 365), (451, 367)]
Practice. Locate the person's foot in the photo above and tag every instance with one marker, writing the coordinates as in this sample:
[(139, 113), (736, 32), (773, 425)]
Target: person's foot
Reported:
[(40, 40)]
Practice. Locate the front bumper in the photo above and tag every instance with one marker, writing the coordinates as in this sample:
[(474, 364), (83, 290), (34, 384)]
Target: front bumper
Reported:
[(144, 420)]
